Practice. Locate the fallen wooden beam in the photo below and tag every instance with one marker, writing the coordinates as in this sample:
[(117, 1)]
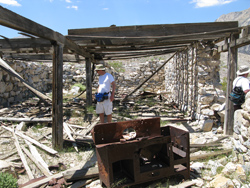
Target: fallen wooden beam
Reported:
[(12, 152), (81, 174), (35, 161), (90, 127), (38, 158), (68, 132), (12, 72), (183, 185), (82, 183), (44, 147), (25, 164), (11, 119), (211, 154), (67, 174), (204, 145)]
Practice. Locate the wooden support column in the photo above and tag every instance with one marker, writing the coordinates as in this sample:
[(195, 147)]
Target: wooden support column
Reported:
[(231, 74), (195, 81), (192, 84), (178, 77), (57, 97), (88, 82), (182, 82), (187, 84)]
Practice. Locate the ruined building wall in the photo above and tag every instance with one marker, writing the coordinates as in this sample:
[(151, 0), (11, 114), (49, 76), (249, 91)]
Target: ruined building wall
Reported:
[(135, 73), (192, 78), (38, 75)]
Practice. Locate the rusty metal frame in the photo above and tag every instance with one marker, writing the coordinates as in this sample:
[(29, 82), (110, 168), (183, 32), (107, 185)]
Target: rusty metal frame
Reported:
[(156, 152)]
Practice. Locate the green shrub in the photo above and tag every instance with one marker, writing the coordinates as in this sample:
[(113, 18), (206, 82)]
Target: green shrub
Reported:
[(118, 66), (7, 180), (82, 87), (224, 84)]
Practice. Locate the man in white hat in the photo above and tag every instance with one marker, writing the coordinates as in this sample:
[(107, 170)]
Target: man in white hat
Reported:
[(242, 81), (106, 81)]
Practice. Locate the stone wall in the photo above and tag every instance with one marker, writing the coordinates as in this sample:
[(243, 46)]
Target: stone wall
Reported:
[(241, 135), (38, 75), (194, 85), (135, 73)]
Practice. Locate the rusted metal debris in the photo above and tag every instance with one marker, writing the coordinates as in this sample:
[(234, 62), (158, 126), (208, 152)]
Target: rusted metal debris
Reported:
[(154, 153)]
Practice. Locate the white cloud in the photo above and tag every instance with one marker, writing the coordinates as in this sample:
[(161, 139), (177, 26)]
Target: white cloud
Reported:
[(210, 3), (10, 2), (68, 1), (105, 9), (74, 7)]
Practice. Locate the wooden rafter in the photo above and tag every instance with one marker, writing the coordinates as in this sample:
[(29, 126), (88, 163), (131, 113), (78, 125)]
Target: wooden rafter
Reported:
[(15, 21)]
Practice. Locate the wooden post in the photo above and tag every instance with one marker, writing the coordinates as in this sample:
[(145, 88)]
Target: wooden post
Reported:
[(231, 74), (88, 82), (195, 81), (178, 77), (57, 97), (182, 82), (187, 84), (192, 84)]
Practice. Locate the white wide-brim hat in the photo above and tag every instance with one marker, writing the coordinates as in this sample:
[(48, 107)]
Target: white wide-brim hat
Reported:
[(243, 70), (99, 67)]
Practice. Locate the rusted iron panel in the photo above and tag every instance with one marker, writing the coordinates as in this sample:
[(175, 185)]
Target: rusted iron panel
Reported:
[(154, 153)]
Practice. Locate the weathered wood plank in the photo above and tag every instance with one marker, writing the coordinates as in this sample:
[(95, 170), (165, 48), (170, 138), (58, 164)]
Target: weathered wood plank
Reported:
[(68, 132), (184, 184), (154, 30), (24, 161), (213, 154), (44, 147), (81, 174), (45, 171), (11, 119)]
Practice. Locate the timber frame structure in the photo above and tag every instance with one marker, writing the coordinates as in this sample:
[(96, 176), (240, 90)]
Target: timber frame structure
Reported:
[(114, 43)]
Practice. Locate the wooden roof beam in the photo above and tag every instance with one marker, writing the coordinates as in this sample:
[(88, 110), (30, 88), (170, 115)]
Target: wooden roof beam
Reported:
[(237, 43), (154, 30), (15, 21)]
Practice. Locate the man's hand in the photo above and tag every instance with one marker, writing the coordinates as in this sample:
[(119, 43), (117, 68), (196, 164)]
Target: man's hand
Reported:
[(112, 97)]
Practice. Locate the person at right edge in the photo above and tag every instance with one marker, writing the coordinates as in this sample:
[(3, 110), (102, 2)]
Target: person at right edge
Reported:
[(242, 81)]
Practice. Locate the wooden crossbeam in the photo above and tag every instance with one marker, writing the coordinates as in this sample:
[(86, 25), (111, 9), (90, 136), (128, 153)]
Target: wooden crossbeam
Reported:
[(154, 30), (15, 21), (237, 43)]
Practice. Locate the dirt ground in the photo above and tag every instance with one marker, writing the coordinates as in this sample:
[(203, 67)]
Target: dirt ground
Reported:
[(75, 114)]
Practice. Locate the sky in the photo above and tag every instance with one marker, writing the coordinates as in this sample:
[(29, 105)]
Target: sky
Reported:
[(61, 15)]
